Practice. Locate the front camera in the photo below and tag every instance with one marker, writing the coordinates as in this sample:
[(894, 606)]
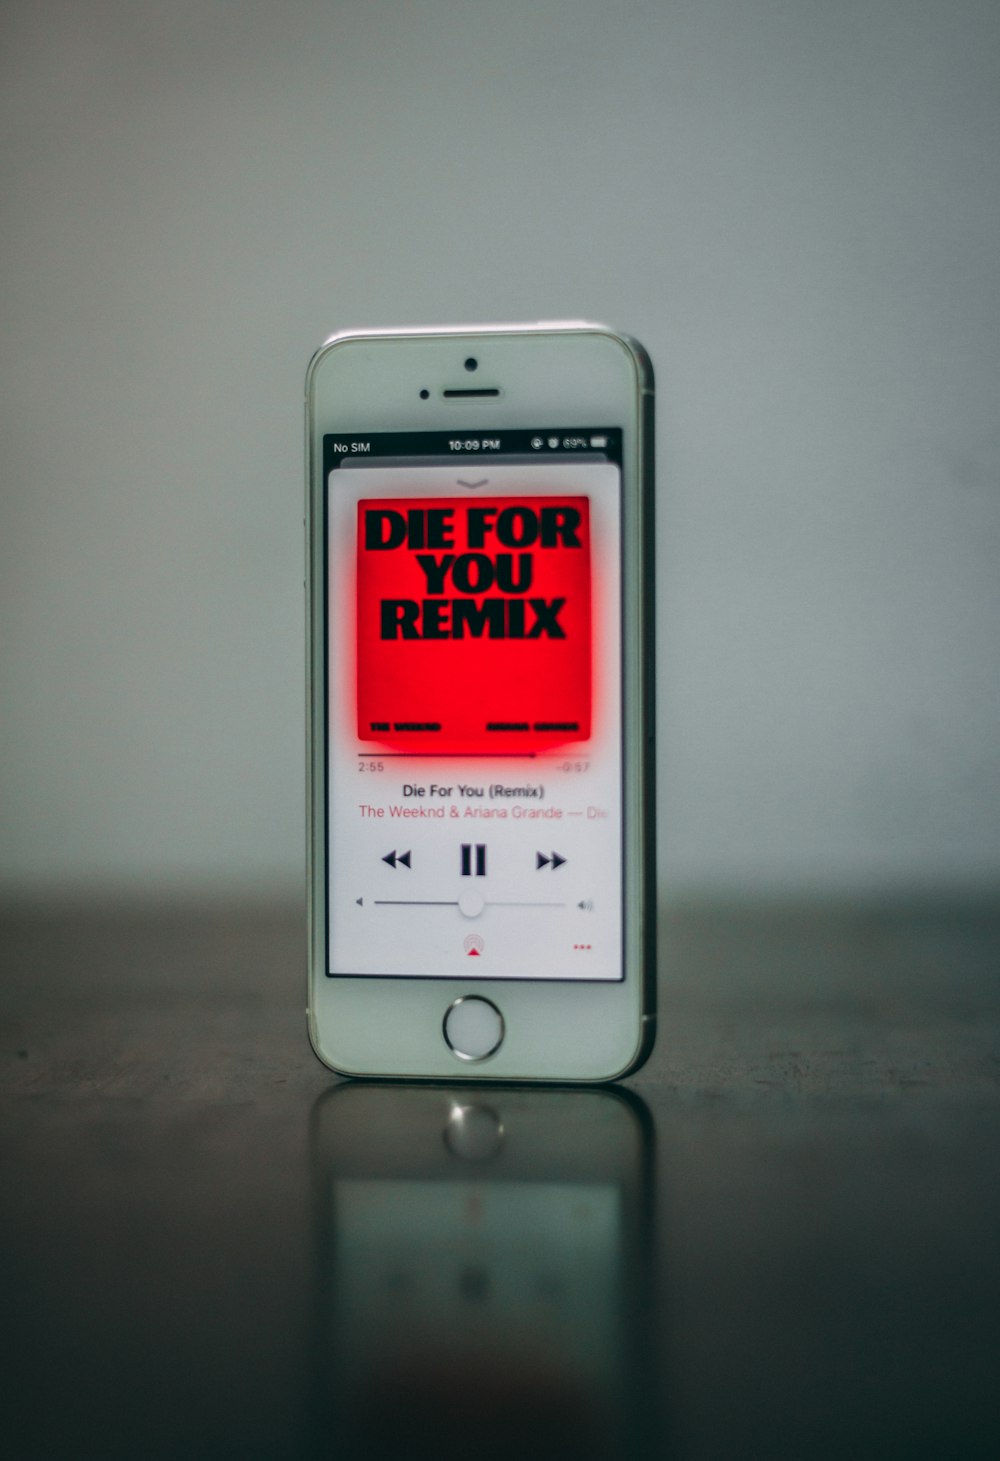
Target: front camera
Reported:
[(424, 395), (472, 363)]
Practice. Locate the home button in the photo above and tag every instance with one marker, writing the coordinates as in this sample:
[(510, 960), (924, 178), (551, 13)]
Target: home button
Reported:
[(473, 1028)]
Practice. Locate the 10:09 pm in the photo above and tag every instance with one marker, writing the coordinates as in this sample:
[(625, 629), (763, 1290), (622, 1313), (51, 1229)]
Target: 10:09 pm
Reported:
[(490, 443)]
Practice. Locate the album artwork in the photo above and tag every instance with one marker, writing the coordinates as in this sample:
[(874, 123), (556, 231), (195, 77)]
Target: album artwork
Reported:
[(474, 623)]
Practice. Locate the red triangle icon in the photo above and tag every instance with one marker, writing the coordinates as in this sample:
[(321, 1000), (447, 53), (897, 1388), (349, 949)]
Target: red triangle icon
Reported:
[(473, 953)]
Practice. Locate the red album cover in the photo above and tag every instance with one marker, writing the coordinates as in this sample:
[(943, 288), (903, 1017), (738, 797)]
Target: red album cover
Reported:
[(474, 623)]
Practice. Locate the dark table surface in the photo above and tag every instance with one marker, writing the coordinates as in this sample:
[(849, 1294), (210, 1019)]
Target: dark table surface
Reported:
[(782, 1241)]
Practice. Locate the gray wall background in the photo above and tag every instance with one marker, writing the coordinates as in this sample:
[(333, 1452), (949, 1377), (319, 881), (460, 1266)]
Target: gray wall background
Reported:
[(793, 203)]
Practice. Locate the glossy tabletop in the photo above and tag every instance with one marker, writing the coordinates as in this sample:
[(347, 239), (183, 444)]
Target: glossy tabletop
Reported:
[(782, 1239)]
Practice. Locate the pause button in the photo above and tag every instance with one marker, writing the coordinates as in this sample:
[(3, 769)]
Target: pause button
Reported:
[(476, 853)]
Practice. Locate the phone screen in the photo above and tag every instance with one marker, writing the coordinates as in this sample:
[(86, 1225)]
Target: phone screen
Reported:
[(473, 748)]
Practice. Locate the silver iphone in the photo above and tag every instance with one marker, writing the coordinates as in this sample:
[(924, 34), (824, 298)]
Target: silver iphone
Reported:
[(480, 541)]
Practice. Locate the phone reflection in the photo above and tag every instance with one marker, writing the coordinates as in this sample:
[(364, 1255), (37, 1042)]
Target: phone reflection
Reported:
[(483, 1273)]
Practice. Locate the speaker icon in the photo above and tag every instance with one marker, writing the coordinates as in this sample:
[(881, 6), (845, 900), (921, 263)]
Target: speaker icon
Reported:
[(587, 904)]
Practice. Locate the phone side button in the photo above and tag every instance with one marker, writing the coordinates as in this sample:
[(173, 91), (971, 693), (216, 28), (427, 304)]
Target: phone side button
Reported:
[(473, 1028)]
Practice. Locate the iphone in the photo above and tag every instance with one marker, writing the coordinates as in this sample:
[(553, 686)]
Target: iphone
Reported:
[(480, 716)]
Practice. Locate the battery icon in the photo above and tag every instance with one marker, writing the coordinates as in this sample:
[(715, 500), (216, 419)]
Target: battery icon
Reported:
[(599, 441)]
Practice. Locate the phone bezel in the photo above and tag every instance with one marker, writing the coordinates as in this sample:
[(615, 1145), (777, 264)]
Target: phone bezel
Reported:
[(579, 1031)]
